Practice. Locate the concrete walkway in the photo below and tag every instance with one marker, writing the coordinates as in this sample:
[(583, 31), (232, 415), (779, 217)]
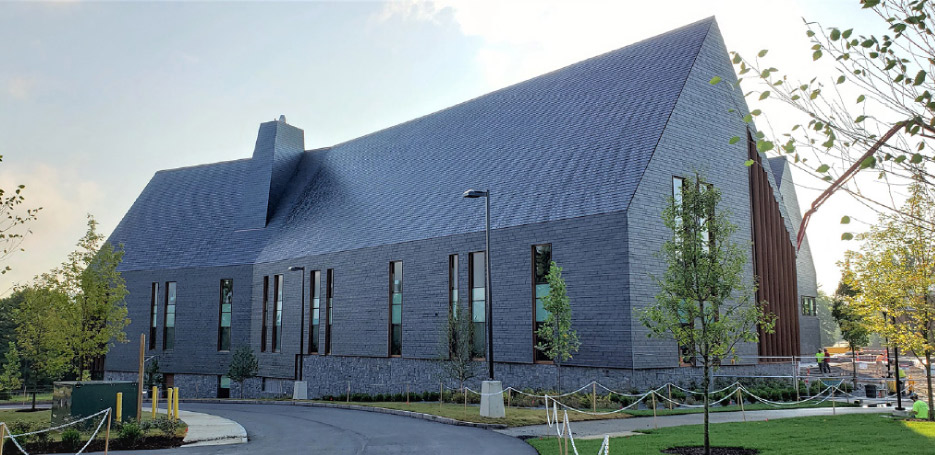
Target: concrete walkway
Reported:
[(627, 427), (210, 430)]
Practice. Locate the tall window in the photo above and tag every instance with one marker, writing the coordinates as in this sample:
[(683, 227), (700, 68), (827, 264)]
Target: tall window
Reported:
[(329, 295), (678, 184), (809, 306), (277, 313), (153, 315), (224, 321), (168, 330), (478, 285), (453, 285), (316, 312), (541, 262), (396, 308), (265, 313)]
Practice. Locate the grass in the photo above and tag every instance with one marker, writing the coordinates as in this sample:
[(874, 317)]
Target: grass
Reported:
[(44, 419), (857, 434), (19, 398), (514, 416)]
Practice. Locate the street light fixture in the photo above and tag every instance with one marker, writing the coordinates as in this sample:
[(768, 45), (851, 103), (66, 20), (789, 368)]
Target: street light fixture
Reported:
[(299, 361), (474, 194)]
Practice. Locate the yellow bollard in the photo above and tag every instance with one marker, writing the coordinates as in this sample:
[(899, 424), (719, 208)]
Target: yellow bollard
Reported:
[(169, 391), (175, 409), (155, 400), (119, 406)]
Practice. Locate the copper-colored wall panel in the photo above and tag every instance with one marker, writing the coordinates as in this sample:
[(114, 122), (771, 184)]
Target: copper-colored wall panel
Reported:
[(773, 264)]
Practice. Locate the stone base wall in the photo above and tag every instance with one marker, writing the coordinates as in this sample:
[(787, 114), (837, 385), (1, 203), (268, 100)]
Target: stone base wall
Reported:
[(331, 375)]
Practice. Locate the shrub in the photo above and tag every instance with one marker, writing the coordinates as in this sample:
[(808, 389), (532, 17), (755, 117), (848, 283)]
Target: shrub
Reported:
[(130, 434), (167, 426), (71, 439)]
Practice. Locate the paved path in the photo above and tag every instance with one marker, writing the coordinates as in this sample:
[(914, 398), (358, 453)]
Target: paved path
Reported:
[(277, 429), (625, 427)]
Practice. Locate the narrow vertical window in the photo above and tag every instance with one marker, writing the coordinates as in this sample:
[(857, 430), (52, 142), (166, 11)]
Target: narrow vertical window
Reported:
[(677, 185), (453, 285), (316, 313), (396, 308), (277, 313), (168, 330), (541, 262), (265, 313), (153, 315), (329, 295), (809, 307), (225, 309), (478, 285)]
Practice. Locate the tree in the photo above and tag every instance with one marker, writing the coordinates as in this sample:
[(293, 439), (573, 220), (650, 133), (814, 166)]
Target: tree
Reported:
[(96, 311), (830, 333), (13, 222), (894, 272), (40, 334), (703, 303), (875, 113), (152, 376), (243, 366), (853, 327), (11, 377), (457, 353), (8, 306), (559, 341)]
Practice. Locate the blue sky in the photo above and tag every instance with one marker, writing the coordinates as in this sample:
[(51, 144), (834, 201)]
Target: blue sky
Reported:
[(96, 97)]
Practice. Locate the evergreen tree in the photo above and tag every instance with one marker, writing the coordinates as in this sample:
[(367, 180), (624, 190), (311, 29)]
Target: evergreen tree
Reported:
[(243, 366)]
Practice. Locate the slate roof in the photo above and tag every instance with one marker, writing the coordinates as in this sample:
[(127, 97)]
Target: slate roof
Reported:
[(570, 143)]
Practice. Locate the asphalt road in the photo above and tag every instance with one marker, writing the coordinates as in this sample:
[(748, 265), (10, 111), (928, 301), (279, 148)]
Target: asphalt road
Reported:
[(274, 429)]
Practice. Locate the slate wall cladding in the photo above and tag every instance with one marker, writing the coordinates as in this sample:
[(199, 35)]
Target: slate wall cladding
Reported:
[(695, 140), (196, 320), (591, 249), (809, 326)]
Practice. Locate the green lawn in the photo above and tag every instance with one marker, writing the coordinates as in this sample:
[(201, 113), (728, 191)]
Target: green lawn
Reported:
[(514, 416), (40, 397), (853, 434)]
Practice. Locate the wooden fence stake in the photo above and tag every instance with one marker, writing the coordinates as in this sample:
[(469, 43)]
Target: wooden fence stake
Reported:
[(155, 400), (593, 396), (834, 410), (509, 397), (464, 391), (441, 393), (653, 393), (2, 436), (669, 389), (348, 391), (106, 435), (407, 394), (740, 401)]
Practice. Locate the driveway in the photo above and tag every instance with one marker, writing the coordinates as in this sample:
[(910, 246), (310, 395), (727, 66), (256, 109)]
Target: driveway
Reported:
[(276, 429)]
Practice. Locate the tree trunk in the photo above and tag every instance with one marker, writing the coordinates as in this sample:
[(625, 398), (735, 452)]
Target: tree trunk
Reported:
[(928, 383), (707, 404), (558, 368), (241, 389), (33, 399), (854, 366)]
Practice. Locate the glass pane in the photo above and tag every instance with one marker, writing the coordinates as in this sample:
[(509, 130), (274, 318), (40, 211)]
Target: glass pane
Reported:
[(225, 382), (543, 261), (315, 315), (542, 290), (170, 310), (477, 294), (316, 303), (479, 346), (397, 314), (541, 313), (477, 269), (170, 337), (397, 299), (225, 339), (279, 319), (170, 320), (226, 308), (316, 285), (478, 312), (225, 320), (397, 340)]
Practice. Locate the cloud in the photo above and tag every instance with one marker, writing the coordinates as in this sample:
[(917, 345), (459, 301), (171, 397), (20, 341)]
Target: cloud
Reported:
[(64, 196), (20, 87)]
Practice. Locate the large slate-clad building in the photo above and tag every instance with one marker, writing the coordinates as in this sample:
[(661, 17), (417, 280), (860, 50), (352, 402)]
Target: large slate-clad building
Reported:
[(344, 261)]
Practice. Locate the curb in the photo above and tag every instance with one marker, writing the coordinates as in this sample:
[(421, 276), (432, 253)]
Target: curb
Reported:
[(398, 412)]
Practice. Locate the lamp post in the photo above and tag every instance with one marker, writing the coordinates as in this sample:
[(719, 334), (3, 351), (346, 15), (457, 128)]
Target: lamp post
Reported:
[(299, 364), (473, 194)]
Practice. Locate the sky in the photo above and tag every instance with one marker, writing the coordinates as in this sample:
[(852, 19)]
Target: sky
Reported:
[(95, 97)]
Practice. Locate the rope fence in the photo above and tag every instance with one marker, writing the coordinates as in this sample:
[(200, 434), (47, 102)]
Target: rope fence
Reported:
[(104, 417)]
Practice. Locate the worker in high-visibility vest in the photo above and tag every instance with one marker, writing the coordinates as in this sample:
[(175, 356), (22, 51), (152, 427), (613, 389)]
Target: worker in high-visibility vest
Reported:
[(820, 357)]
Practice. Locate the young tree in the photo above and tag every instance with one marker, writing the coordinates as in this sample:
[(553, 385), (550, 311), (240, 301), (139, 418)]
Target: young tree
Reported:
[(853, 327), (39, 329), (457, 353), (559, 341), (96, 311), (894, 272), (152, 376), (243, 366), (703, 303), (13, 222)]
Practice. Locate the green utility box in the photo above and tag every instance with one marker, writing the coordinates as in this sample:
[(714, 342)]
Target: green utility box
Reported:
[(72, 400)]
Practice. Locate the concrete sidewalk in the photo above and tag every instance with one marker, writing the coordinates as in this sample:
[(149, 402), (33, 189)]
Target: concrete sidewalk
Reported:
[(209, 430), (627, 427)]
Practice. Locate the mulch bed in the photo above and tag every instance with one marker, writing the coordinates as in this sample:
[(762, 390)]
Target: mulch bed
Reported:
[(699, 450), (148, 443)]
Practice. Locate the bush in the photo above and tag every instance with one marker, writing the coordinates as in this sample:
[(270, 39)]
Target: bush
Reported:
[(71, 439), (167, 426), (130, 434)]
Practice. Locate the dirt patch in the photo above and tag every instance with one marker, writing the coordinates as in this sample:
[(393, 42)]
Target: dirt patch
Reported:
[(148, 443), (699, 450)]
